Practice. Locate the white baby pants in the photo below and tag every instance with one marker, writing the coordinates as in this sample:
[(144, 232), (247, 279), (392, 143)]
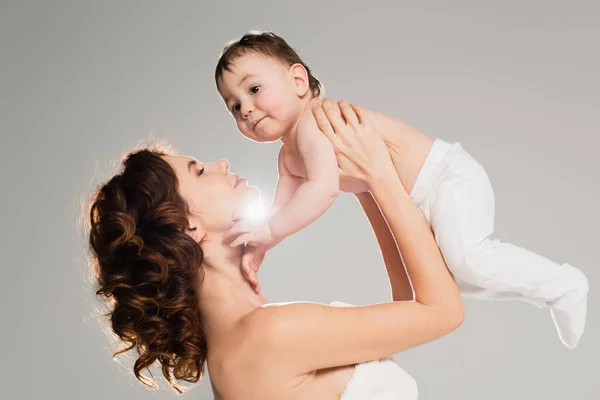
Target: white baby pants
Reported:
[(454, 194)]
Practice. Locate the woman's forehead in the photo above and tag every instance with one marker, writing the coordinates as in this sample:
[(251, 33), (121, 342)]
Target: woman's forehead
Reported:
[(182, 163)]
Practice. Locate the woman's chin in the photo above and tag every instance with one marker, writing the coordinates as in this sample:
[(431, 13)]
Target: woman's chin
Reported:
[(252, 192), (253, 208), (251, 196)]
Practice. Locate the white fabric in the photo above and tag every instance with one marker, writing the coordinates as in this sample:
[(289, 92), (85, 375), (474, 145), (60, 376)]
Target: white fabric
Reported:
[(379, 380), (454, 194)]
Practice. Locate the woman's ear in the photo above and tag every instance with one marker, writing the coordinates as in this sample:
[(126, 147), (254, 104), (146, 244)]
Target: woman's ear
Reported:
[(300, 77), (196, 229)]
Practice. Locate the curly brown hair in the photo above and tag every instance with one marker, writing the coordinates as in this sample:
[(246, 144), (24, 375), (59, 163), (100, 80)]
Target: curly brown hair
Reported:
[(266, 44), (144, 264)]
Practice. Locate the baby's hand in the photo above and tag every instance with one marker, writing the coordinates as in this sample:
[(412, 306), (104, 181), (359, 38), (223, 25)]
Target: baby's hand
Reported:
[(251, 261), (258, 239), (251, 233)]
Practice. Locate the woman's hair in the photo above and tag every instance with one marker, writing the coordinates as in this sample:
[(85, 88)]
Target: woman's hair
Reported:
[(144, 264), (266, 44)]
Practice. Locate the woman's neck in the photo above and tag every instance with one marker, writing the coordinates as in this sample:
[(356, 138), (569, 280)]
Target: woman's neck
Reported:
[(225, 296)]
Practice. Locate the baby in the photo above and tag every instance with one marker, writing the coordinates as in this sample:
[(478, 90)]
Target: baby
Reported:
[(270, 92)]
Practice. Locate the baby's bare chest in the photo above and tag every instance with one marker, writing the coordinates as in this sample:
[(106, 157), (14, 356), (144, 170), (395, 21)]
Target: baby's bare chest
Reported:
[(295, 165)]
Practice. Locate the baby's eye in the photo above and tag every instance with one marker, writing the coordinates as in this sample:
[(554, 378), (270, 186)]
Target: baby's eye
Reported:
[(235, 108), (200, 171), (254, 89)]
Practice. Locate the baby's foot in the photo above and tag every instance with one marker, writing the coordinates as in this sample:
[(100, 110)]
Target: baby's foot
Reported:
[(569, 311)]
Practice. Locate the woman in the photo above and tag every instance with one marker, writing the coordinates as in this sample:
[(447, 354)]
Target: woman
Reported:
[(179, 296)]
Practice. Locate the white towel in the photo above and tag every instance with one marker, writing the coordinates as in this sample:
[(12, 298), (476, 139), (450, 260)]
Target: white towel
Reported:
[(379, 380)]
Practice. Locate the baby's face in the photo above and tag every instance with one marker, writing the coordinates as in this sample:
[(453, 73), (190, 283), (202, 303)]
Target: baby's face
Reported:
[(262, 96)]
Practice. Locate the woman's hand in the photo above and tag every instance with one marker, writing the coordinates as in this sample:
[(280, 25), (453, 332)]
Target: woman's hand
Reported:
[(361, 153)]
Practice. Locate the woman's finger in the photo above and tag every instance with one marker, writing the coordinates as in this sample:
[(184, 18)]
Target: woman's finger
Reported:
[(323, 123), (359, 112), (334, 115), (349, 114), (363, 115)]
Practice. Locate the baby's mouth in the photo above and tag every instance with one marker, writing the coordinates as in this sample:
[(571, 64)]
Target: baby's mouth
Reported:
[(257, 122)]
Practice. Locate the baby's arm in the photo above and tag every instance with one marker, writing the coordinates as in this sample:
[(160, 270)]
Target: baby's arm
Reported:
[(320, 189), (254, 254), (287, 184)]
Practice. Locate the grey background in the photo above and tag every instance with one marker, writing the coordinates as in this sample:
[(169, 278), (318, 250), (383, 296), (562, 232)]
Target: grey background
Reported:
[(516, 82)]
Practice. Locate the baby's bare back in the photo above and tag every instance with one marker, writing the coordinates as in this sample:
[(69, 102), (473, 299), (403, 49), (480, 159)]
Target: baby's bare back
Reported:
[(408, 149)]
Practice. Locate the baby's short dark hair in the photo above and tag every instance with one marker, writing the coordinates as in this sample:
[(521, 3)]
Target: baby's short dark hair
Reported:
[(266, 44)]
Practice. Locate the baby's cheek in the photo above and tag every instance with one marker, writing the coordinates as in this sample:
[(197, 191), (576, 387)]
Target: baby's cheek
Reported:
[(276, 104), (271, 104), (243, 128)]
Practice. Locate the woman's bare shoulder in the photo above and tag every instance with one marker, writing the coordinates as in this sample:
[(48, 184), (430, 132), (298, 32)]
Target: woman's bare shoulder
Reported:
[(244, 360), (258, 325)]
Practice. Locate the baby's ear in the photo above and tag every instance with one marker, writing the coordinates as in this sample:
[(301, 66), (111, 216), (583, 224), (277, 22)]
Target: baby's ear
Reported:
[(301, 81), (196, 229)]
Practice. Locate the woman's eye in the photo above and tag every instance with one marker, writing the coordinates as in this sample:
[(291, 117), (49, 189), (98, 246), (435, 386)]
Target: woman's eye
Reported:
[(200, 171), (254, 89)]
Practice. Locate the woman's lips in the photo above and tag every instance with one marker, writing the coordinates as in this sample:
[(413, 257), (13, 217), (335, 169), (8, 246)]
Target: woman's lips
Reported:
[(238, 181)]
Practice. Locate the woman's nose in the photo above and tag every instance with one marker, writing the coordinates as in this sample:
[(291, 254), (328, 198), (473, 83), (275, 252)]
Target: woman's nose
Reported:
[(224, 166)]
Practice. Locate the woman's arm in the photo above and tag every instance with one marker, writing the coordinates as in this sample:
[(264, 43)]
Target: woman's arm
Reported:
[(399, 282), (317, 336)]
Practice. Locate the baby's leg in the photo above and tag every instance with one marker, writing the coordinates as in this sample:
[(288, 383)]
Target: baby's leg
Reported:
[(461, 214)]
